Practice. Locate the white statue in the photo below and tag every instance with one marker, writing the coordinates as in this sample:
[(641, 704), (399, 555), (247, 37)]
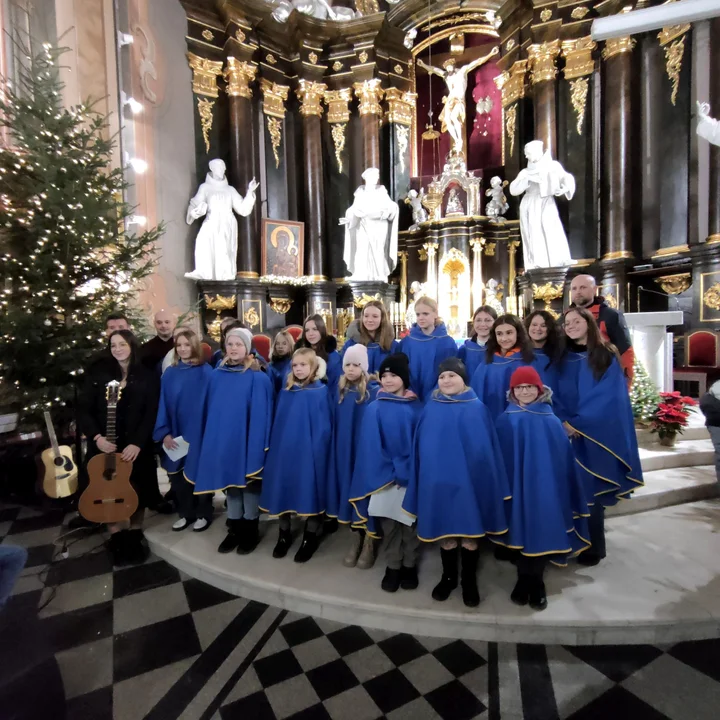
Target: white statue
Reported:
[(498, 204), (417, 290), (319, 9), (216, 243), (454, 205), (371, 231), (419, 213), (453, 113), (491, 296), (707, 127), (543, 236)]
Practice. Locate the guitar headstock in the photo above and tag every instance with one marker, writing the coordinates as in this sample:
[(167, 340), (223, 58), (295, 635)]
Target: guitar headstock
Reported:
[(113, 391)]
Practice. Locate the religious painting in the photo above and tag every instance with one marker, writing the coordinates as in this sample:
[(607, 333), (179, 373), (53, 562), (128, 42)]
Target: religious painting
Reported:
[(282, 248)]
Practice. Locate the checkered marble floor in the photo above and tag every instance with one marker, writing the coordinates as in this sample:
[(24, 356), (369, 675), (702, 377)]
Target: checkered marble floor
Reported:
[(148, 642)]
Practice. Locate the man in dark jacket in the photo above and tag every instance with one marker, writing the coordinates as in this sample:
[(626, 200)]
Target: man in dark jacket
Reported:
[(611, 322), (153, 352)]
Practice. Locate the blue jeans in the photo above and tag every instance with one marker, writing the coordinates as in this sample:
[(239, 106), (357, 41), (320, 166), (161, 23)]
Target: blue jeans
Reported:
[(243, 504), (12, 561)]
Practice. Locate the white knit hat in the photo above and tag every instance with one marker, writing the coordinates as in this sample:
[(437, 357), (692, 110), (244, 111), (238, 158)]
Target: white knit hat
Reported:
[(356, 355), (243, 334)]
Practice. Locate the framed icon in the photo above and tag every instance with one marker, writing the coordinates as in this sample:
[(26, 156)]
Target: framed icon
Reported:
[(283, 244)]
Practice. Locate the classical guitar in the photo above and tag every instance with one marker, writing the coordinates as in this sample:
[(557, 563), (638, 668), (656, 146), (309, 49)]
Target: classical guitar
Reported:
[(109, 497), (60, 471)]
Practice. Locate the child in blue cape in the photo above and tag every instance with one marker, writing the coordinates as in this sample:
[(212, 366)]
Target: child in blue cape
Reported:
[(316, 337), (375, 331), (427, 345), (280, 360), (356, 390), (382, 472), (236, 428), (458, 488), (548, 348), (472, 352), (182, 395), (508, 349), (296, 472), (549, 514)]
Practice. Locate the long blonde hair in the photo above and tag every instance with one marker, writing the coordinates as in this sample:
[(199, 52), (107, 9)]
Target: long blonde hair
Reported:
[(197, 357), (291, 343), (307, 353), (344, 386), (432, 304)]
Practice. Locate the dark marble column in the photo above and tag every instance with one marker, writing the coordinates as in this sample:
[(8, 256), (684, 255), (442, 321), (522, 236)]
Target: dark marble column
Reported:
[(616, 194), (542, 62), (244, 159), (369, 94), (714, 185), (396, 135), (310, 94)]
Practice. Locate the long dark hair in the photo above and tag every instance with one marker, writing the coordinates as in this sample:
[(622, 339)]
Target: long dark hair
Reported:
[(131, 340), (320, 350), (384, 335), (523, 342), (482, 309), (554, 342), (600, 353)]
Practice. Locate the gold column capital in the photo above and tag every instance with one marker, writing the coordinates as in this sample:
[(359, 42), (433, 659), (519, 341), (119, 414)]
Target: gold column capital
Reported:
[(400, 106), (205, 73), (274, 97), (513, 245), (337, 102), (512, 83), (616, 46), (369, 93), (310, 94), (238, 76), (578, 56), (542, 61)]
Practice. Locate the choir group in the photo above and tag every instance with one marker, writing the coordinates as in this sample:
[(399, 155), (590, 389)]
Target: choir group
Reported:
[(522, 436)]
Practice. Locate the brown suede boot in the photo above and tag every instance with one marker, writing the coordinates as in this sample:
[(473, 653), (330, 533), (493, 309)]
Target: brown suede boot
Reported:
[(356, 543), (367, 554)]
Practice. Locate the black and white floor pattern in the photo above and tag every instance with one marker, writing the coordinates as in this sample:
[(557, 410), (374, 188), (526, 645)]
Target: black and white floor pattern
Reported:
[(147, 642)]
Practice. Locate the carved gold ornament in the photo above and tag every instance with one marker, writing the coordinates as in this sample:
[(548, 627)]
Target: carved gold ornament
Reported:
[(611, 300), (579, 13), (545, 15), (251, 318), (218, 304), (542, 61), (547, 293), (271, 59), (337, 103), (512, 82), (274, 97), (205, 73), (274, 127), (205, 110), (672, 40), (675, 284), (509, 45), (240, 35), (360, 301), (280, 305), (363, 57), (337, 65), (578, 97), (490, 249), (422, 254), (310, 95), (711, 297), (208, 35), (238, 76), (313, 58), (578, 57), (398, 69), (367, 7), (402, 135), (615, 46), (338, 136), (400, 106), (510, 125), (369, 93)]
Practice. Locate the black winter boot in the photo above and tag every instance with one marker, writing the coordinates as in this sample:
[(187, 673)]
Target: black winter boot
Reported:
[(521, 591), (468, 577), (537, 597), (232, 539), (391, 580), (138, 550), (283, 544), (117, 547), (449, 580), (309, 545), (250, 536)]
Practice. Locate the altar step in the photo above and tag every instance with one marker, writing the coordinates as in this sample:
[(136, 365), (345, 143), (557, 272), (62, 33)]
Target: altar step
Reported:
[(659, 584)]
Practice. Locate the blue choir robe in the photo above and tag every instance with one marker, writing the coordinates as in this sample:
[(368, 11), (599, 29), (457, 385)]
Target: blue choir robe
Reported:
[(348, 416), (375, 353), (458, 485), (296, 472), (334, 372), (492, 381), (472, 356), (384, 451), (549, 509), (278, 370), (606, 449), (237, 418), (426, 352), (182, 398)]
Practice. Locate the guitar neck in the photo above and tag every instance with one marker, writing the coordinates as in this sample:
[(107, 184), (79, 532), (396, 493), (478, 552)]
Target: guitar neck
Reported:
[(51, 434), (111, 432)]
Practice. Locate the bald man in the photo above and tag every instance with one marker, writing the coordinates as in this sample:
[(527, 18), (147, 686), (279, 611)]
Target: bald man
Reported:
[(153, 351), (611, 322)]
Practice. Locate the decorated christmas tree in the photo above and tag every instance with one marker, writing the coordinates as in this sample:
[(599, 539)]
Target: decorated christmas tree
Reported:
[(644, 395), (67, 257)]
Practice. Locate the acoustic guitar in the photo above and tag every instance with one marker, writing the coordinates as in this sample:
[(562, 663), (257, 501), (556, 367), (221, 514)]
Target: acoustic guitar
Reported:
[(109, 497), (61, 473)]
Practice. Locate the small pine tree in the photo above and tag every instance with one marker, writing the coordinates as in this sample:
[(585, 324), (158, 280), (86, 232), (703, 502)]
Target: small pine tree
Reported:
[(644, 395), (66, 258)]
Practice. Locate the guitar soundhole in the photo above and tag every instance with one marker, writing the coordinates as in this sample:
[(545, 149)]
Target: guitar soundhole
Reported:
[(68, 464), (61, 461)]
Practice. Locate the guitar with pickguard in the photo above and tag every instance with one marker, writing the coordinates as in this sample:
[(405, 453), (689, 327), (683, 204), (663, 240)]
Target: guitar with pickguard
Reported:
[(61, 473)]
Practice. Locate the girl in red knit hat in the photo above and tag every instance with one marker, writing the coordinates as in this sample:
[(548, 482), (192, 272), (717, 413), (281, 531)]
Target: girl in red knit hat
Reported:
[(548, 517)]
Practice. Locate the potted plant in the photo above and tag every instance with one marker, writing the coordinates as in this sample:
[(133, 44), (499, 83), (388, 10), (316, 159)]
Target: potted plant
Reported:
[(671, 416)]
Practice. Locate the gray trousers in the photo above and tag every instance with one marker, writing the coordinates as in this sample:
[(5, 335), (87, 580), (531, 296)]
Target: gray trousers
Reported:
[(401, 544), (715, 437)]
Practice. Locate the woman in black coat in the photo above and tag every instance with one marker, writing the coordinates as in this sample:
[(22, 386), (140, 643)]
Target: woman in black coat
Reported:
[(135, 420)]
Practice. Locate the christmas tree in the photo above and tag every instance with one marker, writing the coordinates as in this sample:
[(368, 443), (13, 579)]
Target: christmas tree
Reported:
[(66, 256), (644, 395)]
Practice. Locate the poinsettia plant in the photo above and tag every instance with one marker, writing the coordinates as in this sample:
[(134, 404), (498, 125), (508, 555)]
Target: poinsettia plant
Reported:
[(671, 414)]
